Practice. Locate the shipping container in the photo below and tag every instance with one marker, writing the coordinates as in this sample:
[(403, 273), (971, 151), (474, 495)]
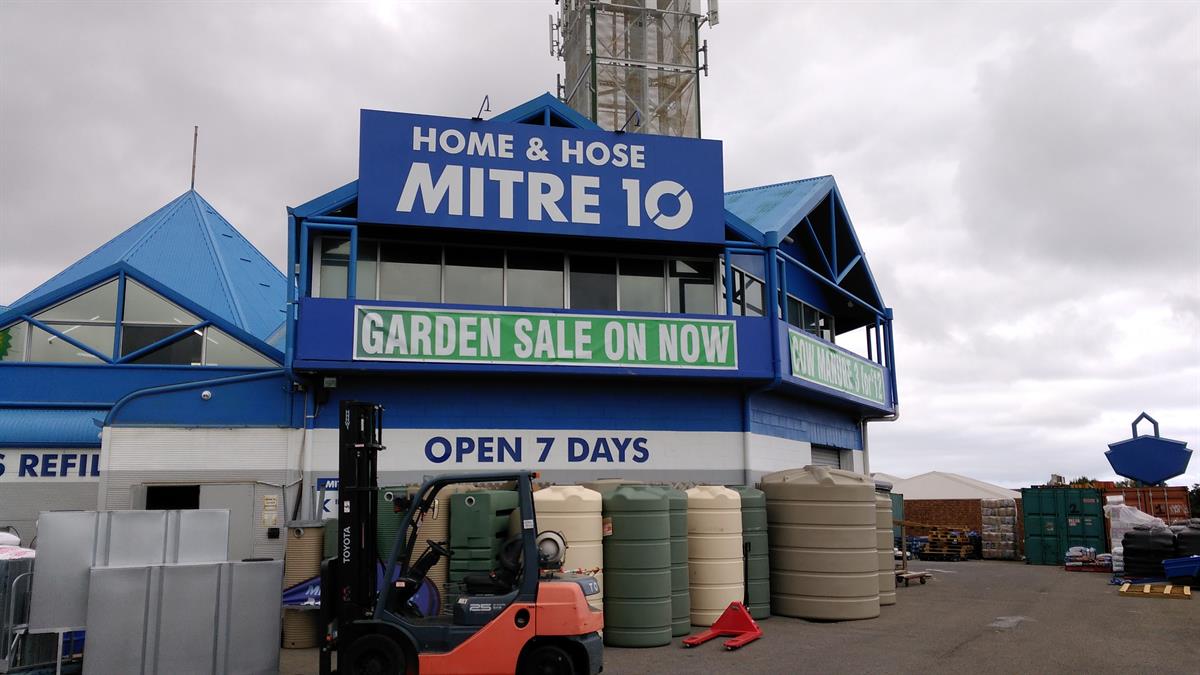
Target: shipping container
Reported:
[(1169, 503), (1057, 518)]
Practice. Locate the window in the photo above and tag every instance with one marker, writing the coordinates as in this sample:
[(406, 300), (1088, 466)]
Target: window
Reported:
[(49, 348), (147, 319), (593, 283), (474, 276), (810, 319), (748, 294), (172, 497), (12, 342), (535, 279), (221, 349), (335, 255), (642, 285), (410, 272), (692, 288)]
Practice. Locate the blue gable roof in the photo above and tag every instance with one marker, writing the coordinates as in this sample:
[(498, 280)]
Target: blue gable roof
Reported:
[(776, 209), (546, 109), (189, 248)]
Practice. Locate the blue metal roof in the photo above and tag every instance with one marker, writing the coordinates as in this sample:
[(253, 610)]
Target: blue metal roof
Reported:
[(189, 248), (546, 103), (46, 428), (778, 208)]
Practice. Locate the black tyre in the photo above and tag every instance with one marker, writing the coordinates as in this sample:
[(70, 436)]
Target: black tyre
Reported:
[(547, 660), (373, 654)]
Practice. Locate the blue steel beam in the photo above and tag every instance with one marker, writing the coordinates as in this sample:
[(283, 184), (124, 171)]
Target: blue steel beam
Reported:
[(829, 282), (67, 338), (173, 337)]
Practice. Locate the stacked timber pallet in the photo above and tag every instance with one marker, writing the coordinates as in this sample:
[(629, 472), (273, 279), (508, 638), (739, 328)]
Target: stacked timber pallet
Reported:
[(999, 538), (949, 545)]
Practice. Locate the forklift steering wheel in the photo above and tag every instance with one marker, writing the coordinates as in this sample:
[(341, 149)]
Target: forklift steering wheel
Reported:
[(439, 548)]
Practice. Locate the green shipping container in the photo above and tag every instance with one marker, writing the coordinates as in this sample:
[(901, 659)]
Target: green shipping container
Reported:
[(1057, 518)]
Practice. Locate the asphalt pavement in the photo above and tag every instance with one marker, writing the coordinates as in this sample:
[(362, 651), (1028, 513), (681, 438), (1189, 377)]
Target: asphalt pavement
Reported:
[(972, 617)]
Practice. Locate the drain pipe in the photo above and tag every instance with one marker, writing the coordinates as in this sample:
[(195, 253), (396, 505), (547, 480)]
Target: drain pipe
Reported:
[(862, 425)]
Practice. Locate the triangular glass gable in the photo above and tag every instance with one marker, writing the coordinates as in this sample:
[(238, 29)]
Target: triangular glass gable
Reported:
[(98, 304), (143, 305), (221, 349)]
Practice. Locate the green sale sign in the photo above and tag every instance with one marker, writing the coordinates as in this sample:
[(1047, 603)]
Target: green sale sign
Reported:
[(817, 361), (531, 338)]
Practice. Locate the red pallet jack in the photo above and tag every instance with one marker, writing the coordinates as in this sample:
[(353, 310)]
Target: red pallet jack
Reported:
[(734, 622)]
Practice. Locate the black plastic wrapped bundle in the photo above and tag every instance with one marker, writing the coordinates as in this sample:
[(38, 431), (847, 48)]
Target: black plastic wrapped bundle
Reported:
[(1145, 549)]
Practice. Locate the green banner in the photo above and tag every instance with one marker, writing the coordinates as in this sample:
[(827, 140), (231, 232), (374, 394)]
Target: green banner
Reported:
[(524, 338), (818, 361)]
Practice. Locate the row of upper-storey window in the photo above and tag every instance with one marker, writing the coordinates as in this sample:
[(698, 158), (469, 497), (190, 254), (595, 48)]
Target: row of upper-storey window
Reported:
[(90, 318), (518, 277), (547, 279)]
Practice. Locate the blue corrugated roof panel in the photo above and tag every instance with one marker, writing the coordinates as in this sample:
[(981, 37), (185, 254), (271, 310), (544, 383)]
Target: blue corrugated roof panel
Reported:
[(779, 207), (188, 247), (42, 428)]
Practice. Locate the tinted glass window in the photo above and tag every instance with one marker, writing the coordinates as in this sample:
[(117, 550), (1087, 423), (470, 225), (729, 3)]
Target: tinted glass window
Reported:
[(145, 306), (535, 279), (98, 304), (183, 352), (12, 342), (365, 274), (642, 285), (135, 337), (593, 283), (812, 320), (795, 311), (691, 286), (50, 348), (475, 276), (221, 349), (410, 272), (335, 255)]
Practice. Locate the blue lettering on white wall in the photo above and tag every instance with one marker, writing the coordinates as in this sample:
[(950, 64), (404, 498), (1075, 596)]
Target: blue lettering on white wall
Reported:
[(49, 464), (509, 449)]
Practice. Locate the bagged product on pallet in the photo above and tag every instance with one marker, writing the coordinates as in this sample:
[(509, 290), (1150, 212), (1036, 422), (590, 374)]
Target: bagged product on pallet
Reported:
[(999, 528)]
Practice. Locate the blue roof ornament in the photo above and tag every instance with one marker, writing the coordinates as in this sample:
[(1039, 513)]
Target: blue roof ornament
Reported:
[(1149, 459)]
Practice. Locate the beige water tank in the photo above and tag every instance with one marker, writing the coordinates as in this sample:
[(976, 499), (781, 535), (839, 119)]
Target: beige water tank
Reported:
[(303, 551), (715, 566), (575, 512), (824, 555), (883, 542)]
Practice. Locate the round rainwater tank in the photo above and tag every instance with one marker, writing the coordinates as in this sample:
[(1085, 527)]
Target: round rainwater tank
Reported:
[(303, 552), (758, 564), (637, 567), (715, 562), (575, 513), (883, 542), (681, 592), (824, 556), (436, 526)]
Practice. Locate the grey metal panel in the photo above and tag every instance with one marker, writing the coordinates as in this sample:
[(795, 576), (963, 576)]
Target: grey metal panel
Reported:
[(826, 457), (20, 503), (186, 631), (249, 643), (66, 545), (70, 543), (239, 499), (14, 592), (117, 604), (203, 536), (134, 538)]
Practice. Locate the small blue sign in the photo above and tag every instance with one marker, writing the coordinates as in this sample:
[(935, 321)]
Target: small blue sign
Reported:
[(431, 171)]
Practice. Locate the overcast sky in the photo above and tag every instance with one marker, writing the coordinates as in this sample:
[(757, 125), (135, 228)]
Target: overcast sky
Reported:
[(1024, 177)]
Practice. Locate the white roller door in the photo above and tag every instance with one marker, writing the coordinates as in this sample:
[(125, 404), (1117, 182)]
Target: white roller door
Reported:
[(822, 456)]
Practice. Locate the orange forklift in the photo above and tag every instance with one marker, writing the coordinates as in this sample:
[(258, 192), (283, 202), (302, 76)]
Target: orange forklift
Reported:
[(522, 617)]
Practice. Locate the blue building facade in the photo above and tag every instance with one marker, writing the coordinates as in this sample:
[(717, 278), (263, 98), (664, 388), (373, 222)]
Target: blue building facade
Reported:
[(532, 291)]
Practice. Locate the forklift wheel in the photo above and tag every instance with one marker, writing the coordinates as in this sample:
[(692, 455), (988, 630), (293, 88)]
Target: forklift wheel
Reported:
[(375, 654), (547, 660)]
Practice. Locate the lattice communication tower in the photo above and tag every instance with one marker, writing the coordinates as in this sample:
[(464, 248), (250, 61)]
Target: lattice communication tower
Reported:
[(633, 65)]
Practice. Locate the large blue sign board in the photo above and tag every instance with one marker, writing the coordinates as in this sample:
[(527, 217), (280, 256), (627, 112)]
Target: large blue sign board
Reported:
[(1149, 459), (433, 171)]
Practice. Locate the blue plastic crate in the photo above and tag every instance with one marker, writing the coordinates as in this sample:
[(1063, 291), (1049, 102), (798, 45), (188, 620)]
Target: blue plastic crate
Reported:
[(1182, 567)]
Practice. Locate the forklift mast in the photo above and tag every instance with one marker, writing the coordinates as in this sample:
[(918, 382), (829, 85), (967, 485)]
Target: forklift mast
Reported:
[(360, 436)]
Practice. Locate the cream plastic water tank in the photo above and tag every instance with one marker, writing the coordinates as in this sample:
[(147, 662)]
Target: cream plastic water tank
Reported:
[(715, 564), (575, 512), (824, 553), (883, 543)]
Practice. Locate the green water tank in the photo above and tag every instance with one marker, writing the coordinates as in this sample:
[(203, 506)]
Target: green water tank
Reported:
[(758, 564), (387, 521), (681, 597), (637, 567), (479, 518)]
